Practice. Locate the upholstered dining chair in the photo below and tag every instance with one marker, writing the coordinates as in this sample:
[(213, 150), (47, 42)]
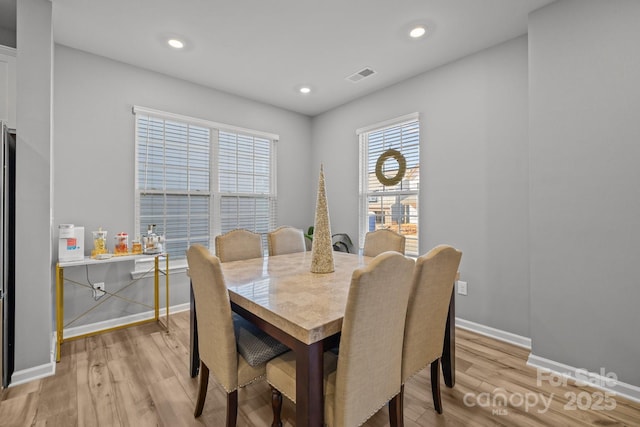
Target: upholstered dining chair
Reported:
[(376, 242), (285, 240), (235, 245), (427, 311), (238, 244), (366, 373), (235, 358)]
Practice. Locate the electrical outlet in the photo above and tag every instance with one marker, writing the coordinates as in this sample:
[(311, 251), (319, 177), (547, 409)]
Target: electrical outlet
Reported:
[(462, 287), (98, 290)]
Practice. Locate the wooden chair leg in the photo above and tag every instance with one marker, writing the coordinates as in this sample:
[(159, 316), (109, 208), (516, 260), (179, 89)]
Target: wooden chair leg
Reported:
[(435, 385), (232, 408), (396, 415), (202, 391), (276, 405)]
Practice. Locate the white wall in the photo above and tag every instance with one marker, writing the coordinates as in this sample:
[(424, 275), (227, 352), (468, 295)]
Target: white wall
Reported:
[(33, 185), (8, 86), (585, 192), (94, 152), (474, 193)]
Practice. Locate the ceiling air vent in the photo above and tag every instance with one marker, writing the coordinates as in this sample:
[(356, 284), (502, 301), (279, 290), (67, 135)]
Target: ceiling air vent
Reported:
[(365, 72)]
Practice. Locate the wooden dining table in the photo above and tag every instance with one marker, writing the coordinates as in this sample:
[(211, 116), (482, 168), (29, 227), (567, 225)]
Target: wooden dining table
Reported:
[(304, 311)]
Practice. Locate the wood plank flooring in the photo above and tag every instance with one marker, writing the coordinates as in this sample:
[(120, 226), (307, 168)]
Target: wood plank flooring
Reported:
[(139, 377)]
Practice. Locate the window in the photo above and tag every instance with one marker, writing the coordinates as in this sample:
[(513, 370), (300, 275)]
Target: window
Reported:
[(173, 181), (390, 178), (196, 179), (246, 182)]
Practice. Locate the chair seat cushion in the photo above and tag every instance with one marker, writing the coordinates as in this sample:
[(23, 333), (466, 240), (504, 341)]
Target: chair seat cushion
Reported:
[(255, 346), (247, 373), (281, 373)]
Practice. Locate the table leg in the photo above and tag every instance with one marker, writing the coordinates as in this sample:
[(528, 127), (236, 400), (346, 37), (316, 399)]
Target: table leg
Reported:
[(309, 385), (193, 332), (309, 367), (449, 348)]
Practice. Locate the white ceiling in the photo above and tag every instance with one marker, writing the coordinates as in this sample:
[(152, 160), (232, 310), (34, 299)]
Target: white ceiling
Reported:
[(265, 49)]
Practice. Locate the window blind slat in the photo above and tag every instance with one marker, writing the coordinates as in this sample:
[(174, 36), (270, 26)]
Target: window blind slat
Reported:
[(396, 206), (174, 174), (173, 156)]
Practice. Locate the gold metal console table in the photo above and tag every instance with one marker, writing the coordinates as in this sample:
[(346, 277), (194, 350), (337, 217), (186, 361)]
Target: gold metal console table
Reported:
[(60, 266)]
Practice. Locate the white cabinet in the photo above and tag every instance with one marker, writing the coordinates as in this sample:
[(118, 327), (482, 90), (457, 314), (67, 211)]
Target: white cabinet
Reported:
[(8, 86)]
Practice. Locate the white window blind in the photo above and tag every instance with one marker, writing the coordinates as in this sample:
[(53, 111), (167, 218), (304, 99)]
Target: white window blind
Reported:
[(386, 203), (246, 182), (173, 181), (196, 180)]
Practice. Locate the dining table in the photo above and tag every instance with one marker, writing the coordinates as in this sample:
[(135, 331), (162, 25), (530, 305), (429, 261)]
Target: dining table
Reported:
[(304, 311)]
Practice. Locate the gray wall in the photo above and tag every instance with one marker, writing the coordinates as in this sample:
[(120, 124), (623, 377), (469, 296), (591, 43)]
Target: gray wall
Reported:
[(7, 37), (94, 155), (474, 171), (34, 301), (585, 192), (8, 15), (559, 210)]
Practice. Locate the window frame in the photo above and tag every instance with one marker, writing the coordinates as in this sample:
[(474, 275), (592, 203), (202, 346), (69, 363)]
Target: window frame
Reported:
[(364, 175), (215, 195)]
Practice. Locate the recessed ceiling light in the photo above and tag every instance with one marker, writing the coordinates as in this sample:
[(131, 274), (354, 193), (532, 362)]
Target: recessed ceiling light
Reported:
[(417, 32), (305, 89), (175, 43)]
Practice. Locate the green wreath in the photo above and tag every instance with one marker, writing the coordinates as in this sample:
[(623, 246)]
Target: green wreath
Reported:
[(402, 167)]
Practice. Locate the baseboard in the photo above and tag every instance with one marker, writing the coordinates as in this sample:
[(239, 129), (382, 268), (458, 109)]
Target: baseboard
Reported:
[(498, 334), (559, 370), (120, 321), (48, 369), (596, 380), (36, 372)]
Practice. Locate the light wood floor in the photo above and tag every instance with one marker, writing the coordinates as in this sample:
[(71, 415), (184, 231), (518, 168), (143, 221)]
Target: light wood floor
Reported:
[(139, 377)]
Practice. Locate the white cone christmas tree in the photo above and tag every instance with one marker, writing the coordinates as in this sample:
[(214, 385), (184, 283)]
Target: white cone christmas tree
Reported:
[(322, 249)]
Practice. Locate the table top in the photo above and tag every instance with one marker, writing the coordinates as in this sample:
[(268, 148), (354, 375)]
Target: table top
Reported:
[(119, 258), (282, 291)]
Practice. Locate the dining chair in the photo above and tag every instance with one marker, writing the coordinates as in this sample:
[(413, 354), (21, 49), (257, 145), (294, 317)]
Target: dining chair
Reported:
[(424, 331), (238, 244), (235, 358), (285, 240), (235, 245), (366, 373), (378, 241)]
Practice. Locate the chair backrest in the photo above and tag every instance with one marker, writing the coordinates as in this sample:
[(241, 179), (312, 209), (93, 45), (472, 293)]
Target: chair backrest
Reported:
[(369, 362), (342, 243), (428, 307), (216, 338), (286, 240), (238, 244), (376, 242)]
